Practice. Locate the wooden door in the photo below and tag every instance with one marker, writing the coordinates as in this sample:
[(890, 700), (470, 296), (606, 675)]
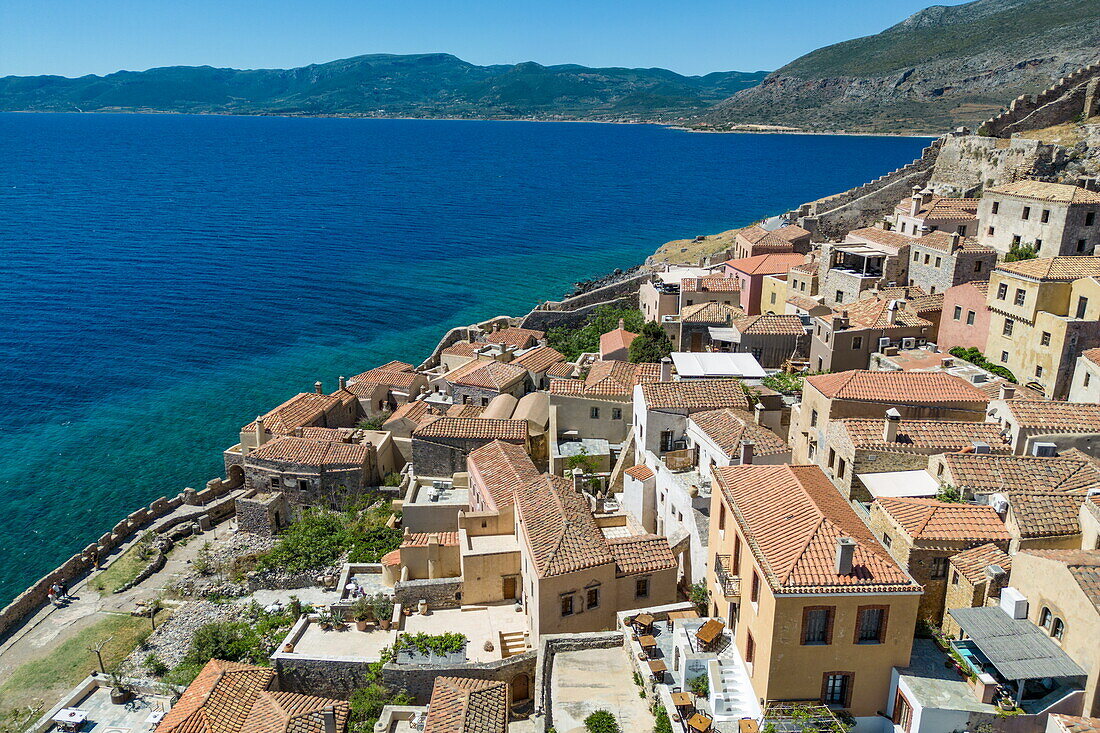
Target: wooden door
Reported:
[(509, 587)]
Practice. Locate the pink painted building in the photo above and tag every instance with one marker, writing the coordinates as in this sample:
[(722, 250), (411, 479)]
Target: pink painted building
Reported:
[(965, 316), (751, 271)]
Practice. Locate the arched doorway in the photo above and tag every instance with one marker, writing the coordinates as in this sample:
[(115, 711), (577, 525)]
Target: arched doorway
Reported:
[(521, 688), (235, 476)]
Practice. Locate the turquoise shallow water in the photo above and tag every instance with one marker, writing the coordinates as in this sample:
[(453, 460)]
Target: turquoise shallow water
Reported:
[(163, 279)]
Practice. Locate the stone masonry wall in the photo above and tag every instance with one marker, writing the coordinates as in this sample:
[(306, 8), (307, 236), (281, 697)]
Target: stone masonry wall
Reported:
[(418, 679), (322, 677), (438, 592), (553, 644), (1061, 102)]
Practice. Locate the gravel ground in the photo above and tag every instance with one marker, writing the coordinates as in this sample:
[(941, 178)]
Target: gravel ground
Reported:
[(172, 639)]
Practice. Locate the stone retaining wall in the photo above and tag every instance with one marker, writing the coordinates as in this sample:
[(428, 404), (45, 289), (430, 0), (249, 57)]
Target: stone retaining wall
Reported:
[(438, 592), (418, 679), (554, 644)]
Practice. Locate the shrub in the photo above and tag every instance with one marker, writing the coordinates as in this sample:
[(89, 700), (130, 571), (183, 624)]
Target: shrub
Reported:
[(572, 342), (322, 537), (651, 345), (383, 606), (391, 479), (949, 494), (700, 596), (699, 686), (1019, 252), (661, 723), (438, 644), (376, 422), (601, 721), (976, 358), (155, 665)]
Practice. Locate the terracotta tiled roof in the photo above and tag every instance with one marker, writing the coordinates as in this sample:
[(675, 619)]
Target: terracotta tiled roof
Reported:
[(1062, 193), (486, 374), (802, 302), (502, 468), (519, 337), (468, 409), (641, 472), (414, 411), (942, 208), (297, 412), (766, 264), (335, 435), (946, 242), (559, 528), (695, 395), (1054, 268), (464, 705), (928, 519), (608, 379), (987, 474), (789, 233), (611, 341), (473, 428), (391, 558), (393, 374), (731, 428), (972, 563), (806, 268), (1069, 417), (306, 452), (765, 325), (230, 697), (902, 388), (1076, 723), (538, 359), (710, 312), (563, 370), (641, 554), (992, 388), (899, 292), (1084, 565), (922, 435), (1092, 355), (880, 236), (1046, 513), (874, 312), (710, 284), (753, 233), (462, 348), (926, 304), (423, 539), (791, 517)]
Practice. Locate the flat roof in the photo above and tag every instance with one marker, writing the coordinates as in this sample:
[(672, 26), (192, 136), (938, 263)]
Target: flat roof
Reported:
[(900, 483), (1018, 649), (718, 333), (459, 496), (691, 364), (589, 446)]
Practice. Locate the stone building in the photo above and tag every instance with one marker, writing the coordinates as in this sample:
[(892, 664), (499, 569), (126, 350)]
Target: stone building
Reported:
[(751, 271), (844, 339), (1047, 427), (304, 410), (690, 331), (1058, 219), (1044, 314), (1085, 386), (756, 240), (423, 556), (598, 406), (964, 320), (1089, 520), (771, 339), (924, 212), (982, 476), (440, 447), (517, 338), (710, 289), (1044, 519), (938, 261), (385, 388), (867, 259), (465, 705), (859, 445), (975, 579), (481, 380), (923, 535), (916, 395)]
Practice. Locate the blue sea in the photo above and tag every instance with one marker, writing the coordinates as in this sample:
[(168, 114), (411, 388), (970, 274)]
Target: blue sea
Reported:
[(164, 278)]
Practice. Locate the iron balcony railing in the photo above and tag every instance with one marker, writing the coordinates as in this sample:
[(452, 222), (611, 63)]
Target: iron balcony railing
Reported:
[(730, 583)]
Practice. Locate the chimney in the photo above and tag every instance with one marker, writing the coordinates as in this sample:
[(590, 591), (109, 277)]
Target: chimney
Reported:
[(1008, 391), (343, 383), (622, 324), (956, 240), (892, 309), (746, 453), (259, 431), (758, 413), (845, 553), (890, 430), (329, 714), (666, 369), (318, 387), (578, 480), (914, 205), (926, 196)]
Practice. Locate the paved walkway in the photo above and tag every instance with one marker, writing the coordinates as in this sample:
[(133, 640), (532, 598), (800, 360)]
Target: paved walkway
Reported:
[(585, 681)]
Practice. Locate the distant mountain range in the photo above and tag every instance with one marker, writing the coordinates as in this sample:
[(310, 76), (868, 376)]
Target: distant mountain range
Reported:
[(383, 85), (940, 68)]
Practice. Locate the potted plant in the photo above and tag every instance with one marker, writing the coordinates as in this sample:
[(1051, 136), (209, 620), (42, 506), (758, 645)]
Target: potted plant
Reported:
[(383, 609), (361, 613), (120, 689)]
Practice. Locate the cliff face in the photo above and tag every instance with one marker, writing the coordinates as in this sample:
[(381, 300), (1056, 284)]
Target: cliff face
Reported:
[(939, 69)]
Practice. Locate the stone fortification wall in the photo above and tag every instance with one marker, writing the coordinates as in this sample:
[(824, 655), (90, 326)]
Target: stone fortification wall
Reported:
[(211, 504), (967, 164), (553, 644), (418, 679), (1069, 98), (833, 216), (574, 311), (462, 333)]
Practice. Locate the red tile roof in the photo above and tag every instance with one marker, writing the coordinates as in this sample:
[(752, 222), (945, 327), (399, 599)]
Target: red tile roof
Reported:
[(501, 468), (466, 705), (1092, 355), (393, 374), (1046, 513), (1062, 193), (874, 312), (730, 429), (1076, 723), (921, 435), (539, 359), (1054, 268), (942, 208), (1084, 566), (299, 411), (615, 340), (520, 338), (710, 312), (462, 348), (414, 412), (608, 380), (880, 236), (928, 519), (695, 395), (641, 554), (945, 242), (972, 563), (641, 472), (765, 325), (901, 388), (1067, 417), (486, 374), (474, 428), (710, 284), (766, 264), (563, 370), (988, 474), (792, 517), (314, 453), (558, 527), (423, 539)]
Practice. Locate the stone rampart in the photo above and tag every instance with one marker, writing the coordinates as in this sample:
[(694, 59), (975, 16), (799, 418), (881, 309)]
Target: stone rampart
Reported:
[(1068, 98)]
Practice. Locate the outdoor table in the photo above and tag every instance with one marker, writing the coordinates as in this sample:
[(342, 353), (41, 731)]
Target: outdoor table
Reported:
[(682, 700), (644, 620), (647, 641), (748, 725), (70, 718), (658, 668), (699, 722), (709, 631)]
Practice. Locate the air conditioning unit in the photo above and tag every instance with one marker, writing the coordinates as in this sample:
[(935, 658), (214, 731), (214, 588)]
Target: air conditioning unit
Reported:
[(909, 343), (1044, 450), (884, 343)]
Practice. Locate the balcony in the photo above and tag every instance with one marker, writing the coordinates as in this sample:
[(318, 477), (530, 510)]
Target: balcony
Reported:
[(727, 581)]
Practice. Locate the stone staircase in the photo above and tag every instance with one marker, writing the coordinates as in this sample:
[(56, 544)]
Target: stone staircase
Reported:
[(731, 694), (512, 643)]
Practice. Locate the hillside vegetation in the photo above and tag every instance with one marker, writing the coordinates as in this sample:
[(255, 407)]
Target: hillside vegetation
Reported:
[(383, 85)]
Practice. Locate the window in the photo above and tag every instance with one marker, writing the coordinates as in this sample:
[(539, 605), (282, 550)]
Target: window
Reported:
[(978, 266), (1020, 296), (886, 541), (916, 255), (840, 468), (938, 260), (594, 413), (1081, 245), (616, 413), (871, 625), (927, 259), (1002, 291), (817, 625), (1058, 629), (1038, 244), (1016, 240), (958, 312), (666, 441), (970, 318), (1004, 357), (303, 484), (1045, 216), (857, 342), (736, 567), (750, 649), (1038, 372), (1045, 338), (840, 296), (722, 518), (690, 302), (773, 298), (1090, 217), (1007, 329), (755, 594), (1088, 378), (592, 598), (836, 689), (990, 231), (641, 588), (1027, 213), (954, 577), (1045, 617), (961, 230), (996, 206), (484, 401), (1082, 306), (939, 568), (813, 418), (832, 457), (567, 605)]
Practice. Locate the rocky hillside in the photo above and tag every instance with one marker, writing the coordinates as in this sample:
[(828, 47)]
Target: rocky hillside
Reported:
[(382, 85), (941, 68)]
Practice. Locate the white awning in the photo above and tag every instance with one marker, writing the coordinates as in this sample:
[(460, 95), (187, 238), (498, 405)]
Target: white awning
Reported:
[(731, 335), (713, 365), (900, 483)]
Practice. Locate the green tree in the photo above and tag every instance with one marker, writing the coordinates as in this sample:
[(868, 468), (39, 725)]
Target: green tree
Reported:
[(601, 721), (1018, 252), (572, 342), (651, 345)]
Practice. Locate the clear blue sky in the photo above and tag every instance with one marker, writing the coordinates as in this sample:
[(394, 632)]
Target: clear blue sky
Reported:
[(76, 37)]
